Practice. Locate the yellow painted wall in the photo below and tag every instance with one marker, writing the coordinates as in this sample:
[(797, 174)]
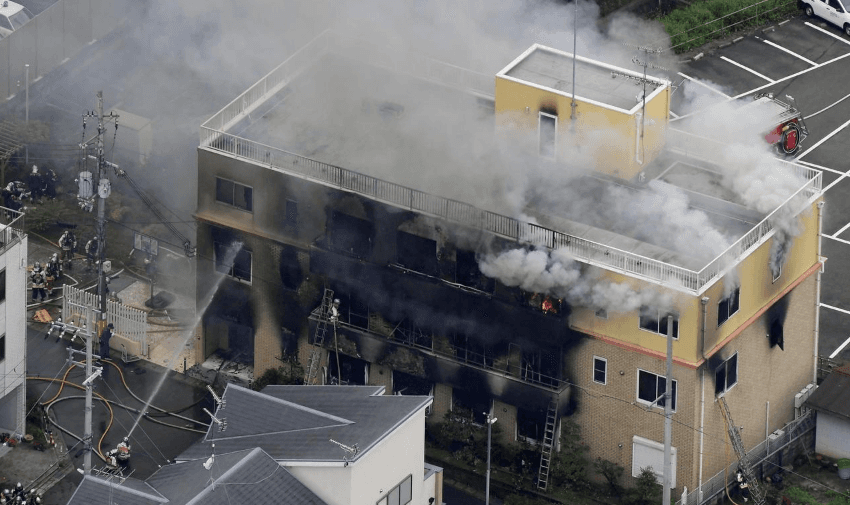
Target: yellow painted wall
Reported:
[(756, 279), (757, 289), (605, 138)]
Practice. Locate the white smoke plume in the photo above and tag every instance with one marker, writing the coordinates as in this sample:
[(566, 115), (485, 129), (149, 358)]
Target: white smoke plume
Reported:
[(556, 273)]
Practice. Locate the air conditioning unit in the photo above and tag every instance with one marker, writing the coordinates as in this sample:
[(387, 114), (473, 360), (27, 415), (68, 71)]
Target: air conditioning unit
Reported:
[(776, 435), (801, 397)]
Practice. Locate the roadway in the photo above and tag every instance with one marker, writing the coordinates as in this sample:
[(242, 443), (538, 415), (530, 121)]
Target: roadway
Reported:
[(809, 60)]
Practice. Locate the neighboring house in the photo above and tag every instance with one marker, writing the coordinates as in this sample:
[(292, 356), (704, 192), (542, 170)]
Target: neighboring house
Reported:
[(310, 191), (247, 476), (13, 318), (831, 400), (349, 445)]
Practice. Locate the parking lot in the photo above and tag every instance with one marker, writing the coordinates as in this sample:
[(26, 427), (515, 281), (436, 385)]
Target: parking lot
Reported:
[(809, 60)]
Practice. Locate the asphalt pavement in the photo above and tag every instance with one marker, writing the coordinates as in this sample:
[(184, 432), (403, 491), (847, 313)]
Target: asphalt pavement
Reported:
[(809, 60)]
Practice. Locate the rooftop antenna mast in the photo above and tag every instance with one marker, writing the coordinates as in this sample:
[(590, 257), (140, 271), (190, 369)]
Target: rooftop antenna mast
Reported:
[(645, 63), (353, 450)]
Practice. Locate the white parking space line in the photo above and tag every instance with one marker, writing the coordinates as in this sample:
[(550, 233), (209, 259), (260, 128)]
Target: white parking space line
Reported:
[(818, 28), (801, 72), (792, 53), (840, 347), (748, 69), (821, 141), (819, 167), (704, 85), (837, 240), (833, 183), (835, 308), (839, 232)]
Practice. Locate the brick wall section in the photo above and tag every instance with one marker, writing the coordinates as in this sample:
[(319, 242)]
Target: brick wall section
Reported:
[(506, 415), (266, 296), (609, 415), (380, 375)]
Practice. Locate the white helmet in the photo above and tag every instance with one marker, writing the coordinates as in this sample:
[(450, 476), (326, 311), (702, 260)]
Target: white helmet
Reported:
[(34, 169)]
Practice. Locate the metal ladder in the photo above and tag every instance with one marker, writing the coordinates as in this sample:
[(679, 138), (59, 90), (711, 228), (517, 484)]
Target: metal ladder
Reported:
[(756, 491), (548, 444), (319, 337)]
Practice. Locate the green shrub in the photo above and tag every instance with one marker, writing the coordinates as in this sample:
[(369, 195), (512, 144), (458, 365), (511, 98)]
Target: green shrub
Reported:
[(801, 496), (844, 463), (693, 26)]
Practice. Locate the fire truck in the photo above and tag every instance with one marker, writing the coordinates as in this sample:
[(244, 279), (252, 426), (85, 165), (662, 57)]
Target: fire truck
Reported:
[(790, 130)]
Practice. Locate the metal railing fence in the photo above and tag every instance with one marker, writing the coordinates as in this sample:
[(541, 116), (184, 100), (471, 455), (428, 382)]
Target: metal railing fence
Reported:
[(80, 307), (758, 455), (12, 226)]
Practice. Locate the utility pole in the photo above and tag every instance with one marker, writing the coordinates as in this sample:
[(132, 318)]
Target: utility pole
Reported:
[(490, 421), (27, 112), (103, 191), (668, 416)]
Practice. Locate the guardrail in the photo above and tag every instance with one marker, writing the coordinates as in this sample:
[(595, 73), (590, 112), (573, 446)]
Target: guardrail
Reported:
[(12, 227), (758, 455), (214, 136)]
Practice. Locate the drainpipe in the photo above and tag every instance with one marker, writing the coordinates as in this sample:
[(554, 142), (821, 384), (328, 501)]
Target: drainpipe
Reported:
[(704, 301), (817, 289)]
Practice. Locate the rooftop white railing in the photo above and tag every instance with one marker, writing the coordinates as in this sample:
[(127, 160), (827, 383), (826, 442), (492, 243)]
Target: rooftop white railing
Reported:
[(214, 136)]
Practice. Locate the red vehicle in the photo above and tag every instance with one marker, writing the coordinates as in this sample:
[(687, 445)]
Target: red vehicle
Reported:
[(790, 130)]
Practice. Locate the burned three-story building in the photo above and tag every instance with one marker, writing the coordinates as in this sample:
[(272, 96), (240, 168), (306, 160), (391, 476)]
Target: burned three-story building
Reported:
[(514, 245)]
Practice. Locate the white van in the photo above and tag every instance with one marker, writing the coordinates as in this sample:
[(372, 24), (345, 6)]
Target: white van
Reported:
[(830, 10)]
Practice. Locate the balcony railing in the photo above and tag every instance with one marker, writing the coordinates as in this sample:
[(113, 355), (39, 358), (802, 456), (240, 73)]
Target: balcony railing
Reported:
[(414, 337), (12, 227), (214, 137)]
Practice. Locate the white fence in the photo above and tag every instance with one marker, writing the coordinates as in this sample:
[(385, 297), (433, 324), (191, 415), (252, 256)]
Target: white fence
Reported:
[(81, 307)]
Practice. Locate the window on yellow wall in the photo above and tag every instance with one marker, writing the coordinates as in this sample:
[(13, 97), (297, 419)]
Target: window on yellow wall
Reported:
[(651, 389), (728, 306), (548, 134), (652, 320)]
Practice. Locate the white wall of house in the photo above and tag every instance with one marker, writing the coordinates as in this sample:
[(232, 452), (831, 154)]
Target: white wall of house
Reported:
[(386, 465), (13, 330), (330, 483), (832, 436)]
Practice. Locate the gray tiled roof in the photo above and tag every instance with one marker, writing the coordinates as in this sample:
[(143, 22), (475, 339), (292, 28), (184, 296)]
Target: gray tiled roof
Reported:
[(833, 395), (248, 476), (100, 491), (351, 415)]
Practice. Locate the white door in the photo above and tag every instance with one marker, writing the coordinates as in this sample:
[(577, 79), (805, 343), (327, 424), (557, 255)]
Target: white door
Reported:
[(820, 9)]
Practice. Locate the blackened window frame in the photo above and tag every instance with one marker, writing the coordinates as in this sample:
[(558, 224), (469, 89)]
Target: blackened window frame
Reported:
[(658, 390), (645, 322), (728, 306), (221, 190), (722, 374), (2, 285), (222, 239)]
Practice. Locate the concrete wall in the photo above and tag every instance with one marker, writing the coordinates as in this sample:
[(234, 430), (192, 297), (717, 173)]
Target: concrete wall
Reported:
[(332, 484), (13, 325), (57, 33), (831, 438)]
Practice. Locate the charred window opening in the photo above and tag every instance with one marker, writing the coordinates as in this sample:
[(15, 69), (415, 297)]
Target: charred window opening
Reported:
[(776, 335), (726, 375), (416, 253), (231, 257), (406, 385), (470, 406), (291, 213), (353, 310), (468, 274), (652, 320), (530, 424), (728, 306), (470, 350), (548, 134), (411, 334), (351, 235), (290, 268), (651, 388), (234, 194), (353, 370), (544, 303), (541, 367)]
